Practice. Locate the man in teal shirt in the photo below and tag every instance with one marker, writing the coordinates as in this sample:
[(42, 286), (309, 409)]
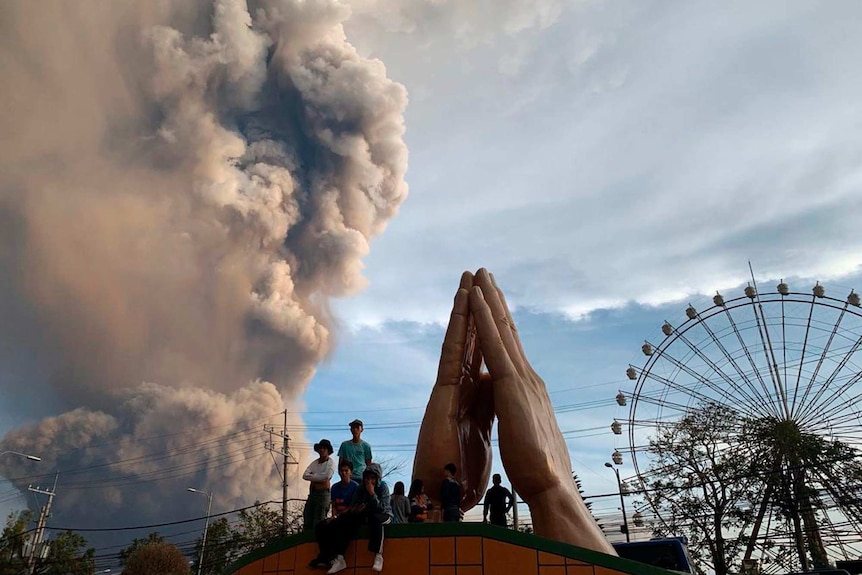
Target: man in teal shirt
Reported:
[(356, 451)]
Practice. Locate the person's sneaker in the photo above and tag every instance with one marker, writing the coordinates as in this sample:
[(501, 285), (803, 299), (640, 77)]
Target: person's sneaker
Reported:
[(378, 563), (318, 563), (337, 565)]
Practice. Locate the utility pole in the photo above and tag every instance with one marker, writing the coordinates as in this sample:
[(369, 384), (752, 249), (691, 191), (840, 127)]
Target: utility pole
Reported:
[(285, 451), (286, 459), (40, 524), (625, 525)]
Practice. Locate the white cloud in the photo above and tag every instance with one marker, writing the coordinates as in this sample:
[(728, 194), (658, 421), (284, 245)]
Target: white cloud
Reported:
[(630, 152)]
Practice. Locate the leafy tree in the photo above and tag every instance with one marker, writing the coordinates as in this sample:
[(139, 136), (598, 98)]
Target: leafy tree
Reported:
[(156, 559), (67, 553), (700, 486), (254, 528), (12, 541), (153, 537), (221, 548)]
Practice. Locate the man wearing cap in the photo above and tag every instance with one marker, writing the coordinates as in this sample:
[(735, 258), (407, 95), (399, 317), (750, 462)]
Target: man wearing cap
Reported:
[(319, 472), (356, 451)]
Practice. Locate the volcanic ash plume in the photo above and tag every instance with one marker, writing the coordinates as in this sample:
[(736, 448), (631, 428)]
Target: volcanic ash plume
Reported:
[(182, 188)]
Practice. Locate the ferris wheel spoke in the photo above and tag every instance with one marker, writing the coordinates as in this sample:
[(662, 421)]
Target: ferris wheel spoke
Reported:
[(824, 408), (832, 376), (821, 360), (664, 402), (766, 343), (847, 433), (832, 532), (688, 391), (669, 384), (848, 504), (784, 342), (715, 367), (758, 520), (754, 367), (837, 420), (804, 347)]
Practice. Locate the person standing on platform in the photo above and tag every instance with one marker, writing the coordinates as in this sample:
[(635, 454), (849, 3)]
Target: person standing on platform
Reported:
[(356, 451), (500, 501), (400, 504), (319, 473), (450, 495)]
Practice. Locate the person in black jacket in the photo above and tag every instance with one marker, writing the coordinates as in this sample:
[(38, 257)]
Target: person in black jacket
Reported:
[(450, 495), (371, 506)]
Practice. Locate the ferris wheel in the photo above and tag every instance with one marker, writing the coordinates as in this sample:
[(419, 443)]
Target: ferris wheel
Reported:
[(780, 374)]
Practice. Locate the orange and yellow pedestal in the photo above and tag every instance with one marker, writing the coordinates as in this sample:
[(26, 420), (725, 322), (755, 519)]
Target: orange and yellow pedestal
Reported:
[(445, 549)]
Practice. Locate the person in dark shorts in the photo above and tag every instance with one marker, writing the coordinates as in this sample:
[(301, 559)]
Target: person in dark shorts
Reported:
[(500, 501)]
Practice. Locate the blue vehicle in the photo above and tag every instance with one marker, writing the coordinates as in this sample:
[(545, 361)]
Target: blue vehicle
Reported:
[(665, 552)]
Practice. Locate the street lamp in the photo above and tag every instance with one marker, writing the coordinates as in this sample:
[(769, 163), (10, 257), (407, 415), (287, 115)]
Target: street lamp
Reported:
[(622, 500), (209, 497), (25, 455)]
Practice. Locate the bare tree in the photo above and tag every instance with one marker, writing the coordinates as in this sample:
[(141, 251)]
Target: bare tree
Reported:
[(699, 486)]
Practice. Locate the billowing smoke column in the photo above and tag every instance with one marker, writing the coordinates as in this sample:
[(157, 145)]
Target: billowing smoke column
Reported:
[(182, 188)]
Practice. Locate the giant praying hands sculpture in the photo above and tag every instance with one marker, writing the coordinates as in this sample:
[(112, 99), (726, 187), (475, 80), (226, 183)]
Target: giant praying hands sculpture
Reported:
[(457, 423)]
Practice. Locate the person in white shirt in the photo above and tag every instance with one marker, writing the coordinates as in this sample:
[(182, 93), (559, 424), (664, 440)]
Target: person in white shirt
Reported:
[(319, 473)]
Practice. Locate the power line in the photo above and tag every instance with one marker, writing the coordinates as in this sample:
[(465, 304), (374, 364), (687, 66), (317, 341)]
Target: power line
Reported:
[(154, 525)]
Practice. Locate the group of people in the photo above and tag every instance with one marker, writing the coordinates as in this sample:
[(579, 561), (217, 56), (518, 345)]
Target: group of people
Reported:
[(335, 511)]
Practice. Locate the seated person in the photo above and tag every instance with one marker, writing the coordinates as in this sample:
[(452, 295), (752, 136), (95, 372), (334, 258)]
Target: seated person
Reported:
[(370, 506), (419, 502), (342, 492)]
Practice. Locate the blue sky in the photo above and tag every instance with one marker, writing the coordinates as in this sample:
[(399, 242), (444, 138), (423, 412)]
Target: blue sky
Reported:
[(609, 162)]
